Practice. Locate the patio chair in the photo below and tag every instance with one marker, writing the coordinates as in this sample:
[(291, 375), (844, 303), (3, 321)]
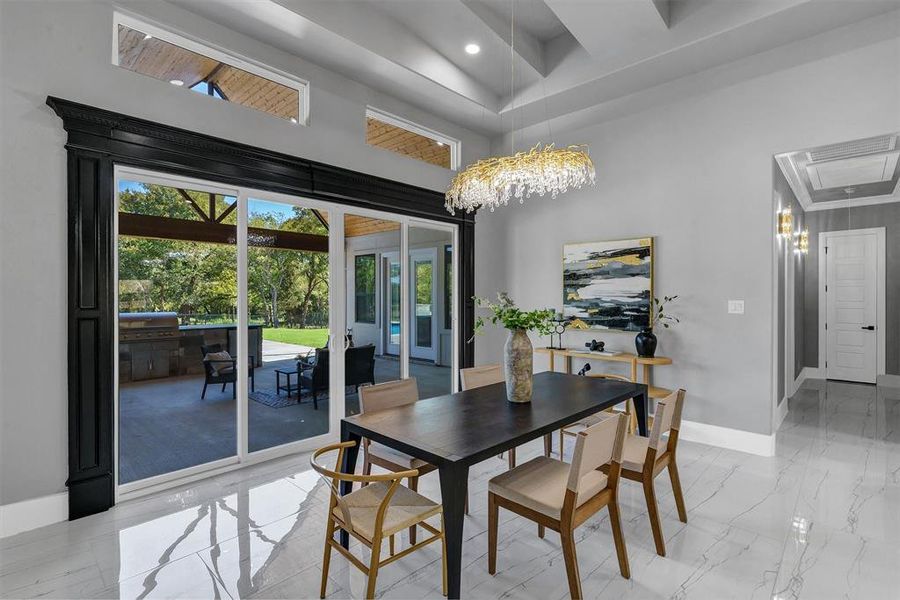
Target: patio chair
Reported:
[(223, 370), (359, 369)]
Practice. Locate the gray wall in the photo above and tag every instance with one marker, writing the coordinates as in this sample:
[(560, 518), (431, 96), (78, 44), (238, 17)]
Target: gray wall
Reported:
[(697, 175), (63, 49), (842, 219)]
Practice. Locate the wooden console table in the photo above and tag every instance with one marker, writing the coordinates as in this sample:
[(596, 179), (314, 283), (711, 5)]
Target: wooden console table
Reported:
[(623, 357)]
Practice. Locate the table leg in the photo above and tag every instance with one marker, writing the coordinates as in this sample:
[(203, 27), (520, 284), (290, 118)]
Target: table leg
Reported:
[(454, 482), (348, 465), (641, 410), (278, 384)]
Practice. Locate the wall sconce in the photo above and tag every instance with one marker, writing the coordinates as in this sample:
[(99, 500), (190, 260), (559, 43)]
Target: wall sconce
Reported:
[(785, 227), (801, 244)]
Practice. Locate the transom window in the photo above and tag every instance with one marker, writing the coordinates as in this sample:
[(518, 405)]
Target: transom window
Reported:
[(151, 51), (390, 132)]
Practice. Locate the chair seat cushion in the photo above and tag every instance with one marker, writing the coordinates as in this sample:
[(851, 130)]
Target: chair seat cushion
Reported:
[(634, 452), (395, 457), (540, 484), (220, 362), (406, 508)]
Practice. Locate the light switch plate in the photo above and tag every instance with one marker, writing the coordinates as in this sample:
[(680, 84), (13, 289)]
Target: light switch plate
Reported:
[(735, 307)]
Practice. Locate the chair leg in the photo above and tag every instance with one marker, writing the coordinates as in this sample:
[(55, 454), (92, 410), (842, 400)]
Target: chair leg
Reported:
[(373, 568), (562, 445), (234, 390), (391, 544), (568, 545), (616, 523), (653, 511), (367, 468), (548, 444), (493, 511), (676, 490), (315, 399), (223, 386), (511, 456), (203, 393), (414, 486), (541, 531), (466, 507), (443, 557), (326, 560)]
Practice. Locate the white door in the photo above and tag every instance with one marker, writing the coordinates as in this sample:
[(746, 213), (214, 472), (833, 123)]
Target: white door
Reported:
[(423, 301), (851, 300), (391, 305)]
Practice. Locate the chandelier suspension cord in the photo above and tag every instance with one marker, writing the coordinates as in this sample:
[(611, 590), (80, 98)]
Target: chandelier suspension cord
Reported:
[(512, 76)]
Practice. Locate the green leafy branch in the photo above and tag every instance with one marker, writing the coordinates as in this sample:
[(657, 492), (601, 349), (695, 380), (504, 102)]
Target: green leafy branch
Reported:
[(506, 313), (660, 317)]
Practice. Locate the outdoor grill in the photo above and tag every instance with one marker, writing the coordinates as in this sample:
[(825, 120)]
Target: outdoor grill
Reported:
[(148, 326)]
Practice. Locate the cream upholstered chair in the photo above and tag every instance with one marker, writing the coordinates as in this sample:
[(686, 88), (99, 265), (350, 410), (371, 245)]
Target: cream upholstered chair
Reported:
[(371, 514), (644, 458), (382, 396), (574, 428), (562, 496), (475, 377)]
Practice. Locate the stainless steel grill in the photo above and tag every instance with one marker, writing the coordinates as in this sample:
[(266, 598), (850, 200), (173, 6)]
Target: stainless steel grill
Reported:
[(148, 326)]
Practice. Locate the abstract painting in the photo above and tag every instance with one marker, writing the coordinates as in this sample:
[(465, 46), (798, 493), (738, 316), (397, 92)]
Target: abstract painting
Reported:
[(609, 285)]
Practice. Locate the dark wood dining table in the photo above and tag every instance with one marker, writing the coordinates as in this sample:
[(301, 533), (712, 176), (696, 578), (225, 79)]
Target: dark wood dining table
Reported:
[(458, 430)]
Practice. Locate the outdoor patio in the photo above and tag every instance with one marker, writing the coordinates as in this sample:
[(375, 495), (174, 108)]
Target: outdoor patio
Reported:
[(165, 426)]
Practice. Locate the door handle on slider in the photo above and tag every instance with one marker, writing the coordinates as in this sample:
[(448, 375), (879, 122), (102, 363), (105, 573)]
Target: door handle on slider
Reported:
[(869, 327)]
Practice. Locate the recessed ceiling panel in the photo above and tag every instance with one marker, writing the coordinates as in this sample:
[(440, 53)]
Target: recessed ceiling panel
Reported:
[(852, 171)]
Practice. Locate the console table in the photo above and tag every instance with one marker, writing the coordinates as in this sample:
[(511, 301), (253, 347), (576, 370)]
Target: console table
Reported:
[(623, 357)]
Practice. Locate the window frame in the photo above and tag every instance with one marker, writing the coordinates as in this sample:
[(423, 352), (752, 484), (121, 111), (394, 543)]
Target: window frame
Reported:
[(210, 51), (391, 119), (448, 284), (356, 293)]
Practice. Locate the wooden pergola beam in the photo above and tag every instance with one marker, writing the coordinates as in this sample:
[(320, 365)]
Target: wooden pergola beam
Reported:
[(217, 233), (193, 204)]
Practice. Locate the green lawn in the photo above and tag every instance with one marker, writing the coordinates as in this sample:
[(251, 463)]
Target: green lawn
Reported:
[(315, 338)]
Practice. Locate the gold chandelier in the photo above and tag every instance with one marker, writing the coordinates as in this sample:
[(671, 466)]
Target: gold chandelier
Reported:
[(492, 182)]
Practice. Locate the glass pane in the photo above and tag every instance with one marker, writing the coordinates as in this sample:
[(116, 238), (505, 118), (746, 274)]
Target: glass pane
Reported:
[(407, 143), (177, 297), (423, 290), (149, 55), (372, 352), (431, 347), (287, 302)]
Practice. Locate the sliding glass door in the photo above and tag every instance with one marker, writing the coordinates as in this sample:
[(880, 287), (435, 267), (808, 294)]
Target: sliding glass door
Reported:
[(248, 320)]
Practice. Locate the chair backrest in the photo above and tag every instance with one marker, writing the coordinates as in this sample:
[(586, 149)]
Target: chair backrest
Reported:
[(334, 477), (381, 396), (596, 446), (668, 417), (609, 376), (204, 350), (476, 377), (360, 365)]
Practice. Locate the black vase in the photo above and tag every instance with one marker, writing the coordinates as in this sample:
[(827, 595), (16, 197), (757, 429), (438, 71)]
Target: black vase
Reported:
[(645, 343)]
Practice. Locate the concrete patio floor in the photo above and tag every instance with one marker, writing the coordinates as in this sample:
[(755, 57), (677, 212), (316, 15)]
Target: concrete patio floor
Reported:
[(165, 426)]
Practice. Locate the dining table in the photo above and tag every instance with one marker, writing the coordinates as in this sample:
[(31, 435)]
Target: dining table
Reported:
[(456, 431)]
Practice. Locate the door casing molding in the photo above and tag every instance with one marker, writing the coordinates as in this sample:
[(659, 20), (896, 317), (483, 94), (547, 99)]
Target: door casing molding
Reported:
[(97, 141), (880, 294)]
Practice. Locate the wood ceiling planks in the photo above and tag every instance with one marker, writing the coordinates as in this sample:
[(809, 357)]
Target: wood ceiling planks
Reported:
[(407, 143)]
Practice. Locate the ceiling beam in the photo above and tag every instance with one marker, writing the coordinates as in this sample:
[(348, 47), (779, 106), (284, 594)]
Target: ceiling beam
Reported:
[(527, 47)]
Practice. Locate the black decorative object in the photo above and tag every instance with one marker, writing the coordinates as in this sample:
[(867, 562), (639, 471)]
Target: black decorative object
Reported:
[(583, 370), (99, 139), (560, 324), (595, 346), (645, 343)]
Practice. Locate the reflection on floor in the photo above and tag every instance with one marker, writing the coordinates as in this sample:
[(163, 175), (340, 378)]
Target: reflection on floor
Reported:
[(164, 425), (819, 520)]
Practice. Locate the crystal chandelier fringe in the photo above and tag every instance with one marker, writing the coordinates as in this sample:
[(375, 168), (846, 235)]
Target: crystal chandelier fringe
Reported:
[(491, 182)]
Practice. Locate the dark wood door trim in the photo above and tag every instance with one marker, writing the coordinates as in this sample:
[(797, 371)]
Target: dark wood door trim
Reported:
[(99, 139)]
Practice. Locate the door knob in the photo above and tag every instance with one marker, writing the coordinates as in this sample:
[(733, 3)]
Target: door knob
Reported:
[(869, 327)]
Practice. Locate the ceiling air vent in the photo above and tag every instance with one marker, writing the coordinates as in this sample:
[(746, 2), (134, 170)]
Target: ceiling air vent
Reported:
[(883, 143)]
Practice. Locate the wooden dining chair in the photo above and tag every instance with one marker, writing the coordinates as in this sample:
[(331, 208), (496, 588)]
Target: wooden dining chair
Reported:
[(644, 459), (561, 496), (475, 377), (381, 396), (573, 429), (377, 511)]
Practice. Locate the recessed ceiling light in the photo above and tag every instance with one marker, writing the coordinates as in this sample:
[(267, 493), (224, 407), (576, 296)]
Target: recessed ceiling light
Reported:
[(177, 82), (439, 143), (473, 48), (293, 120), (148, 36)]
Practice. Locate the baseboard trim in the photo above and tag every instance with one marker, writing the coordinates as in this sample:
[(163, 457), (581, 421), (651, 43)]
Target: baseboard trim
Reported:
[(30, 514), (781, 412), (725, 437), (888, 380)]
